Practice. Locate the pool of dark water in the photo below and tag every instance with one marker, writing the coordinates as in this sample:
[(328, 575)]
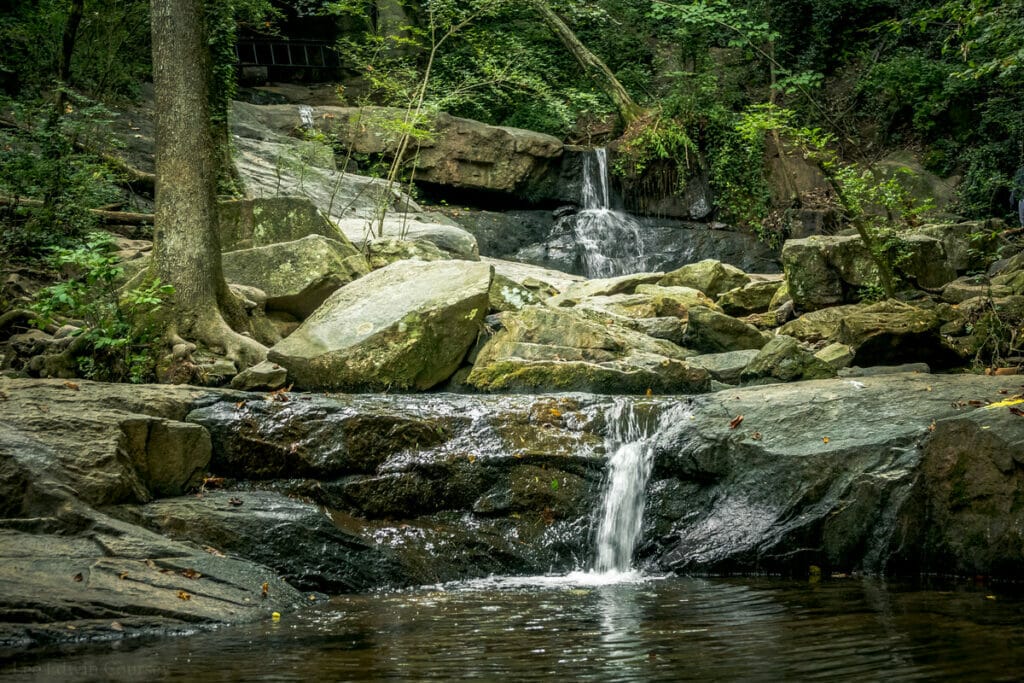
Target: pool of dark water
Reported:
[(584, 628)]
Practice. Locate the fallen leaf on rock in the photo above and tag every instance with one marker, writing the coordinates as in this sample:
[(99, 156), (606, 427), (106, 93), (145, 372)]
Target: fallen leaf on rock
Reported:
[(931, 427), (756, 436), (736, 422), (73, 387), (190, 573), (1012, 401), (182, 595), (78, 578), (213, 551), (123, 575), (975, 402), (240, 404), (116, 625), (264, 589), (824, 439), (235, 501), (1017, 411)]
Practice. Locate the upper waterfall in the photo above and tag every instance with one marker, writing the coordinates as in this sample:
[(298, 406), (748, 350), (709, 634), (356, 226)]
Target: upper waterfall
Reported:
[(610, 241)]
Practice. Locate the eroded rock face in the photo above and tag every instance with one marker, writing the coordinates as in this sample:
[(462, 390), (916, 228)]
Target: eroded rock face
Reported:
[(405, 326), (460, 153)]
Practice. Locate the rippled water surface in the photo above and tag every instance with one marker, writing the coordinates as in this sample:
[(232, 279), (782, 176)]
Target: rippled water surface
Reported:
[(594, 629)]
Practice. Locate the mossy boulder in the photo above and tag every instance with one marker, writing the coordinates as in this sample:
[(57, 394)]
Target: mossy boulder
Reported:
[(623, 284), (248, 223), (819, 270), (676, 301), (713, 332), (507, 295), (556, 349), (404, 327), (783, 360), (755, 297), (384, 251), (296, 276), (709, 276), (882, 333)]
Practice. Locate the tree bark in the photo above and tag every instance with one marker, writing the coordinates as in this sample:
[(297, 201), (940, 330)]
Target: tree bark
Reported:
[(186, 246), (629, 110), (68, 50)]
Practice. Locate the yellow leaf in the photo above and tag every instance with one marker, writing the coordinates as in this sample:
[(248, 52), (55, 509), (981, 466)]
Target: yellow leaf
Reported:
[(1012, 401), (276, 616), (824, 439), (182, 595)]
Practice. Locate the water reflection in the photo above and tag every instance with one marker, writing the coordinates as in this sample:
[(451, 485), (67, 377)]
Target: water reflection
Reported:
[(590, 628)]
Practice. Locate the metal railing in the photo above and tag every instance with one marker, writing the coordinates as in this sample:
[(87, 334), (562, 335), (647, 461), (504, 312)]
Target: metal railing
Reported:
[(289, 54)]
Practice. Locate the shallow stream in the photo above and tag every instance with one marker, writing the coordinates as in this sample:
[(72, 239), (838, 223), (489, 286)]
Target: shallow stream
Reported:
[(605, 628)]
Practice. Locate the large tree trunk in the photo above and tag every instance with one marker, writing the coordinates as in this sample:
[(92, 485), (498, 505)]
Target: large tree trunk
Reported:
[(591, 63), (186, 246)]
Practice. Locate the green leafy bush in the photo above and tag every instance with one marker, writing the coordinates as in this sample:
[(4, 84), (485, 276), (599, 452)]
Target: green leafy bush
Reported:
[(118, 329)]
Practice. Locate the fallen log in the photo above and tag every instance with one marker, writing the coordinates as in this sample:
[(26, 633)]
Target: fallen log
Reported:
[(105, 216)]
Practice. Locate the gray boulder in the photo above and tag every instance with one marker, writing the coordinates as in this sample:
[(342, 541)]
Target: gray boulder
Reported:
[(725, 367), (406, 326)]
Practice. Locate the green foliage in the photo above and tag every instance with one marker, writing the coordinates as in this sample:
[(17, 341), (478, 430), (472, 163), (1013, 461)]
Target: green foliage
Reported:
[(39, 161), (118, 330), (111, 56)]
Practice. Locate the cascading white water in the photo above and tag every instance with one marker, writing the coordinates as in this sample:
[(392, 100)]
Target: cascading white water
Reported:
[(630, 443), (610, 241)]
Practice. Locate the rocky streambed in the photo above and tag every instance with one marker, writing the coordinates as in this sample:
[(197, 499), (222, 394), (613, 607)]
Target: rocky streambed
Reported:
[(132, 510)]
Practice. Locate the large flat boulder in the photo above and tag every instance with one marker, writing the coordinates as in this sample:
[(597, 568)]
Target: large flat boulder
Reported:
[(406, 326), (296, 276), (450, 239), (564, 349)]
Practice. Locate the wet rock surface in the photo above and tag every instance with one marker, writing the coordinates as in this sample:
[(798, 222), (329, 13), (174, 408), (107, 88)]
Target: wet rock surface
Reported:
[(847, 475), (893, 474)]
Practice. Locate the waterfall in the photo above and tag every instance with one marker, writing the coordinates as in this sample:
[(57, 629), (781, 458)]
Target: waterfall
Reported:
[(609, 241), (630, 444)]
